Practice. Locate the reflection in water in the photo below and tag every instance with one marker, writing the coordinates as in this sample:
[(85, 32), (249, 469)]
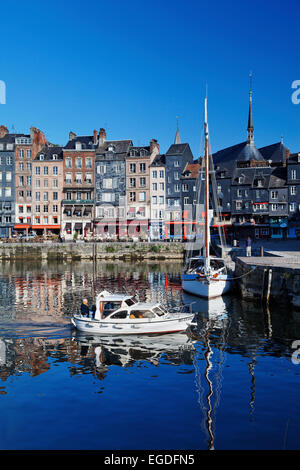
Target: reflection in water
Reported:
[(36, 303)]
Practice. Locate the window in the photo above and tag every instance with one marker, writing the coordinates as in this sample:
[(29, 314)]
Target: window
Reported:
[(142, 167), (21, 180), (176, 163), (177, 188), (154, 200), (55, 196), (132, 182), (28, 180), (45, 183), (37, 169), (185, 187), (101, 169), (38, 196), (162, 186), (45, 220), (176, 175), (8, 160), (293, 174), (46, 196), (45, 170), (185, 200), (8, 176), (88, 178), (142, 182), (154, 186), (132, 197), (292, 207), (68, 162), (132, 168), (161, 173), (107, 183), (238, 205), (55, 208), (274, 207), (55, 170), (45, 208), (7, 192), (55, 183), (21, 153), (154, 174), (239, 193), (142, 196), (88, 162), (78, 178), (293, 190), (37, 183), (21, 166), (28, 153), (161, 199), (78, 162), (69, 178), (108, 197), (274, 194)]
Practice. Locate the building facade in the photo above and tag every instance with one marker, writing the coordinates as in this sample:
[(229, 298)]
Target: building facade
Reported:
[(47, 185), (7, 183)]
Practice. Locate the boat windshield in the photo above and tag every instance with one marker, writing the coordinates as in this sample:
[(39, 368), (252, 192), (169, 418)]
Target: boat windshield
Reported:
[(141, 314), (110, 307), (129, 302), (159, 311)]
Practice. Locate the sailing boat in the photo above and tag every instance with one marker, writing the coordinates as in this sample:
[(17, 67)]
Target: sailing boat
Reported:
[(206, 276)]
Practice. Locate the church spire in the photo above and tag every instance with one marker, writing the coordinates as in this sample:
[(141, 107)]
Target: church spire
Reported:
[(250, 129), (177, 136)]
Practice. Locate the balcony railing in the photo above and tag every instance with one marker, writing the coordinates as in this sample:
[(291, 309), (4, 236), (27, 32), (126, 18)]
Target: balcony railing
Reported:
[(78, 201)]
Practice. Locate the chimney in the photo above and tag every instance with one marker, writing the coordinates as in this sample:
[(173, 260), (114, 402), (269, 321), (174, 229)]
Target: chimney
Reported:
[(95, 137), (154, 146), (72, 135), (102, 136), (3, 131)]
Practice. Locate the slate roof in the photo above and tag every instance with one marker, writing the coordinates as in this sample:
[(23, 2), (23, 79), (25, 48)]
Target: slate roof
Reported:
[(228, 157), (87, 142), (159, 160), (275, 152), (49, 151), (121, 148), (10, 138), (177, 149), (278, 177), (251, 175)]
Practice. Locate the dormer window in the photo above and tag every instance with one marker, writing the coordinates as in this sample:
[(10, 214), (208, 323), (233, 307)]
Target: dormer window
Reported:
[(78, 145), (111, 148), (54, 156), (298, 157), (259, 183), (42, 156), (241, 179)]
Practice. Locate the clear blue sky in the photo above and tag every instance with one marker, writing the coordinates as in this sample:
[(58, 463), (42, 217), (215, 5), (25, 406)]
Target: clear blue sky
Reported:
[(133, 66)]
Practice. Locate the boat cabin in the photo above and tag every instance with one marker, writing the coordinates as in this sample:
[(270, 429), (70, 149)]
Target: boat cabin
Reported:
[(196, 264)]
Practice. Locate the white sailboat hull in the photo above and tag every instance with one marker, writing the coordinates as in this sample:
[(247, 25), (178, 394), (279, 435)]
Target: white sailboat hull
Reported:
[(206, 289)]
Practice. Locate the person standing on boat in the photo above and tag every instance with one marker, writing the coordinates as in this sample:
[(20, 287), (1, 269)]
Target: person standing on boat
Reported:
[(248, 247), (84, 309)]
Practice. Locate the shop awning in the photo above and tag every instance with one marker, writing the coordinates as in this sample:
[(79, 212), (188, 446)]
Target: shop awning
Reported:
[(41, 227), (22, 226)]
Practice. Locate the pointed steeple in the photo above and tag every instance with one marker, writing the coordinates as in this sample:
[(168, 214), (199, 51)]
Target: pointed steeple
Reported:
[(177, 136), (250, 129)]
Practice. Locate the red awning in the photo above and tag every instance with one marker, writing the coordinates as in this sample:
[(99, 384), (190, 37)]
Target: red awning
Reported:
[(36, 227), (22, 226)]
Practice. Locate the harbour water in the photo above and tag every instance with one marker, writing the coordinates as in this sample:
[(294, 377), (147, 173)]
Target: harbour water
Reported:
[(232, 384)]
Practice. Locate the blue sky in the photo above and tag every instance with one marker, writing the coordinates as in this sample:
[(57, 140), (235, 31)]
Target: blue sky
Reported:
[(133, 66)]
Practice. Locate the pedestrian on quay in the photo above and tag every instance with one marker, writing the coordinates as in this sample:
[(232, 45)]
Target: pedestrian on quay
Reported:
[(84, 309), (248, 247)]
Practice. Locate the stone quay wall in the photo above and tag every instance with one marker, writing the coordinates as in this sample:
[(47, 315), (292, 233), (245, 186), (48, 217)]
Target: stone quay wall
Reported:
[(93, 251), (269, 279)]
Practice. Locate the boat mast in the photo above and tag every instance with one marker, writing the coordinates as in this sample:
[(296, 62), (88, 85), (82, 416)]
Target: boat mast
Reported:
[(206, 202)]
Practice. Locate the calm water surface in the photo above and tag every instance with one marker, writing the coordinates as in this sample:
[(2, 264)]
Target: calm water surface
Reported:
[(230, 385)]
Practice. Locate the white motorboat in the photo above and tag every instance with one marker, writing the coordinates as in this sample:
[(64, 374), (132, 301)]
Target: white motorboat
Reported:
[(206, 276), (119, 314)]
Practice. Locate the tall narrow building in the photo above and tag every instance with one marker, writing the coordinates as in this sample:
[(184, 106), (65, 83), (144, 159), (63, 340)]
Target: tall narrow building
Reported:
[(250, 129)]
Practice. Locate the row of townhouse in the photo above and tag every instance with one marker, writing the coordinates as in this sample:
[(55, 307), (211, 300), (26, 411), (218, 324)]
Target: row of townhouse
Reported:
[(91, 187)]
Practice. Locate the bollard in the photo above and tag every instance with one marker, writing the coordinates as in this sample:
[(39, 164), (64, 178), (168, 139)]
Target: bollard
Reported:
[(261, 251)]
